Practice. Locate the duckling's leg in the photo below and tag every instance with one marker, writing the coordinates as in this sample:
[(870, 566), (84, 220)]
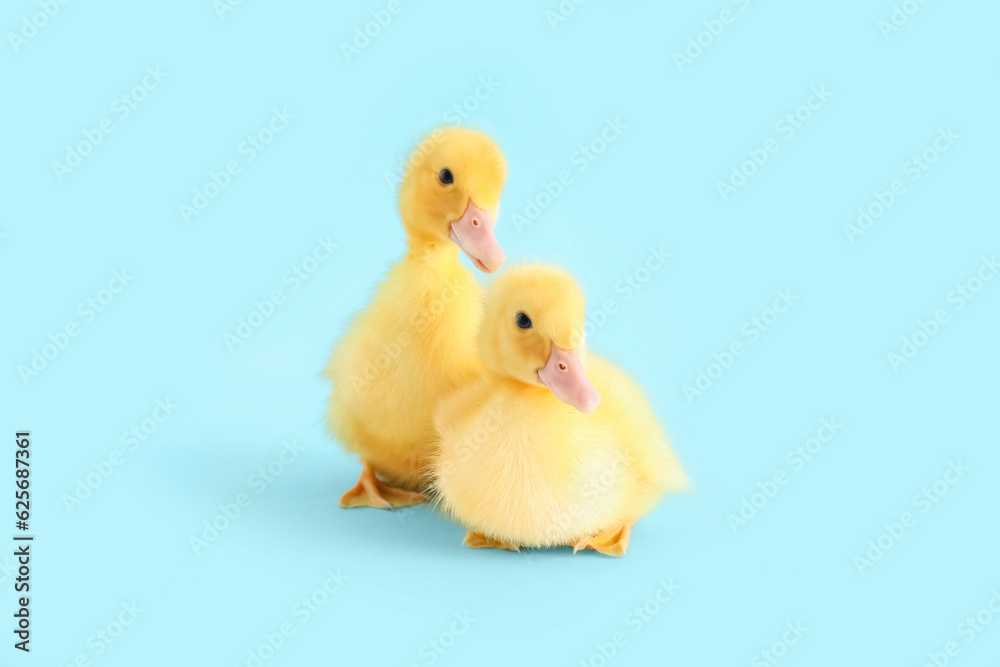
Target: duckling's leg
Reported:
[(480, 541), (370, 491), (612, 542)]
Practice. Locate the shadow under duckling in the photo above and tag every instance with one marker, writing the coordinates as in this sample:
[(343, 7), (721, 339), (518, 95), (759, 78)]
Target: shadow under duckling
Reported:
[(414, 342), (549, 446)]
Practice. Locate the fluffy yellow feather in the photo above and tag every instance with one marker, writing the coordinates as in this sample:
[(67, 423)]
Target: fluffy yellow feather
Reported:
[(415, 341), (519, 466)]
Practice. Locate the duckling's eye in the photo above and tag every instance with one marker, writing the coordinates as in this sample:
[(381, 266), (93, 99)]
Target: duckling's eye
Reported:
[(523, 321), (446, 176)]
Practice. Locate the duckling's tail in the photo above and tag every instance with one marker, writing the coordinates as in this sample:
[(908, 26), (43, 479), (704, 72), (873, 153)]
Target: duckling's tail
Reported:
[(673, 479)]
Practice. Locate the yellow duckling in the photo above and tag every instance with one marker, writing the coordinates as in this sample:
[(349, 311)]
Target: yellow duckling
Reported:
[(415, 342), (536, 452)]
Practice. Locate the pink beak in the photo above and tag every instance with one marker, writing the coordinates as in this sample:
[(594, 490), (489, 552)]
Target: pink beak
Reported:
[(473, 233), (564, 375)]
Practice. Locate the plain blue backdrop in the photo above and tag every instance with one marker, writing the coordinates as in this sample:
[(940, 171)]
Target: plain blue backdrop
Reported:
[(740, 138)]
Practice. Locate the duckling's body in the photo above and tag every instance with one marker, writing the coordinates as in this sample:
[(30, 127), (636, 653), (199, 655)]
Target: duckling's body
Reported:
[(399, 358), (414, 343), (547, 474), (519, 466)]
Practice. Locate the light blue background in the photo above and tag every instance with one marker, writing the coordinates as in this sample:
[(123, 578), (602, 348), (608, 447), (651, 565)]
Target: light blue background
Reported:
[(655, 185)]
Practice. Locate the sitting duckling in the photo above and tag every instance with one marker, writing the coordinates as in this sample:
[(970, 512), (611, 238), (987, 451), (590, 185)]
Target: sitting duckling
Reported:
[(414, 343), (537, 452)]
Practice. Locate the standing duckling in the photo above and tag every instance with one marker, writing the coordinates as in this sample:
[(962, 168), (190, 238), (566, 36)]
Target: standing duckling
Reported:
[(537, 452), (414, 343)]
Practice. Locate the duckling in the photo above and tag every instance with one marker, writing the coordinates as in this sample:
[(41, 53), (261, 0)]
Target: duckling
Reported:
[(415, 341), (550, 446)]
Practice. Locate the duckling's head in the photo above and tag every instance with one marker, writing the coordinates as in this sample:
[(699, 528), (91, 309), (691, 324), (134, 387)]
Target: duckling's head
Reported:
[(532, 331), (451, 193)]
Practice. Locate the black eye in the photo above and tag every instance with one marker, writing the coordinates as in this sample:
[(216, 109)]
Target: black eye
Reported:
[(446, 177), (523, 321)]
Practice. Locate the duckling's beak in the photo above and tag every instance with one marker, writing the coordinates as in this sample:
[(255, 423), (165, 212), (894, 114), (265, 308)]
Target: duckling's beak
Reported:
[(473, 233), (564, 375)]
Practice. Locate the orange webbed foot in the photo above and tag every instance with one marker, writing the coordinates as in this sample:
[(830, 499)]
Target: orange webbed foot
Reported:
[(476, 540), (612, 542), (370, 491)]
